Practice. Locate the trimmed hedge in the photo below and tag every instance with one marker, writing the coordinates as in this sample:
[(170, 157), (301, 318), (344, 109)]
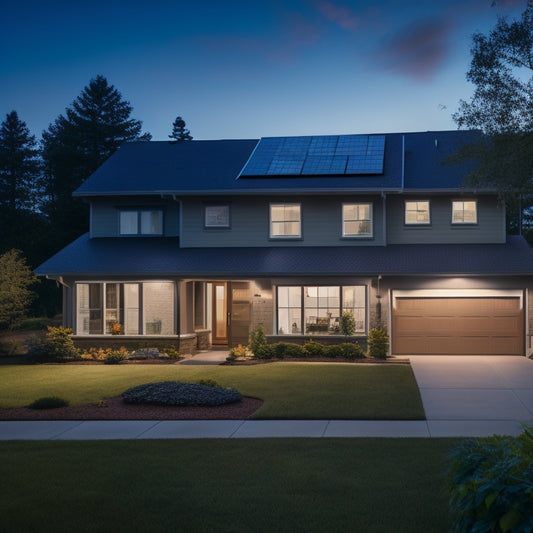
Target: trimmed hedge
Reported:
[(280, 350)]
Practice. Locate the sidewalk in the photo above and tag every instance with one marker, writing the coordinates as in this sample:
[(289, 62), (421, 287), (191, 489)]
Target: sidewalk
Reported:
[(242, 429)]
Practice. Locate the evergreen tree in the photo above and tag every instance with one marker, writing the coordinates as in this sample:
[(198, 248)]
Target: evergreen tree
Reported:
[(76, 144), (19, 167), (502, 107), (179, 132)]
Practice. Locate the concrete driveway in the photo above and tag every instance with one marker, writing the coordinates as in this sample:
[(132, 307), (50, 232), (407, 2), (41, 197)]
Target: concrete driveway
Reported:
[(475, 392)]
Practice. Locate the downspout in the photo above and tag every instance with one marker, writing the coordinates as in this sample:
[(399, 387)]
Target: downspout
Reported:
[(403, 162)]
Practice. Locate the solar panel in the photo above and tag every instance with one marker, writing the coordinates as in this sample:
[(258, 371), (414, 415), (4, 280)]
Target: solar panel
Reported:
[(320, 155)]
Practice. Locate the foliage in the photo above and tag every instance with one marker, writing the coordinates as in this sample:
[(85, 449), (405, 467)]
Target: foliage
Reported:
[(48, 402), (491, 484), (348, 350), (208, 382), (179, 132), (57, 345), (16, 278), (114, 357), (378, 343), (237, 351), (257, 339), (20, 188), (76, 144), (347, 323), (176, 393), (502, 106), (171, 352)]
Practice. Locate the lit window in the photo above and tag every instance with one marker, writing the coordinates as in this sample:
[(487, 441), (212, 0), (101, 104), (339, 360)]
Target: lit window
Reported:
[(417, 212), (317, 310), (464, 212), (217, 216), (141, 222), (125, 308), (285, 220), (357, 220)]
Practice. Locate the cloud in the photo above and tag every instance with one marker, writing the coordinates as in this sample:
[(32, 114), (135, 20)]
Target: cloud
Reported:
[(339, 14), (417, 51)]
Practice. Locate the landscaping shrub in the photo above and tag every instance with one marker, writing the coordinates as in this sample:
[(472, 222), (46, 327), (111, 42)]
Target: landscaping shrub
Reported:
[(347, 323), (378, 343), (263, 352), (57, 345), (491, 484), (49, 402), (257, 339), (352, 350), (115, 357), (174, 393), (334, 350), (313, 349), (237, 351)]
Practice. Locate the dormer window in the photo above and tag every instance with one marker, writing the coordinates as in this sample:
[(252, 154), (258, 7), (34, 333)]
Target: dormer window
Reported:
[(141, 222), (417, 212), (464, 212)]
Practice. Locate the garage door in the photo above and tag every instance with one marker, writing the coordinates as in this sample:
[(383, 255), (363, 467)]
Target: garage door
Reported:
[(457, 326)]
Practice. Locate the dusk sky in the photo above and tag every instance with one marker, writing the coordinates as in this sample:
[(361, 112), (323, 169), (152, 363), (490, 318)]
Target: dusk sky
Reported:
[(248, 69)]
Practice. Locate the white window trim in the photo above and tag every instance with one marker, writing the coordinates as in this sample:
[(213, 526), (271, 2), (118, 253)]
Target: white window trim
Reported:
[(463, 223), (359, 235), (417, 223), (285, 204)]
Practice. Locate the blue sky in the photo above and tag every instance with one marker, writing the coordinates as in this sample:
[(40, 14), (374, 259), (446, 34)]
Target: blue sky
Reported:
[(247, 69)]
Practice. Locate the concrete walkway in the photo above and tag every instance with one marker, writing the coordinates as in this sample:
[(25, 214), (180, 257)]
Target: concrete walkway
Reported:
[(462, 397)]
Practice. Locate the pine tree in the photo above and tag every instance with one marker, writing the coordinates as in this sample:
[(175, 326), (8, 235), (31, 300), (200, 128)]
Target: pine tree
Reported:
[(179, 132), (19, 167), (76, 144)]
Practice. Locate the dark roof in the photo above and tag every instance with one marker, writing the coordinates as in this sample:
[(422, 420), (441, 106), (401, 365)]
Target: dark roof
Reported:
[(212, 167), (145, 257)]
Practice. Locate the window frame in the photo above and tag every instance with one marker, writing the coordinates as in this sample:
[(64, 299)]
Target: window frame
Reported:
[(139, 211), (271, 221), (303, 308), (226, 225), (416, 210), (463, 222), (369, 235)]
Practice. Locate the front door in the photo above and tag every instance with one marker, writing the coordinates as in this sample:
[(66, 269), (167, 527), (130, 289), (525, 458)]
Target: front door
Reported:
[(220, 312), (240, 313)]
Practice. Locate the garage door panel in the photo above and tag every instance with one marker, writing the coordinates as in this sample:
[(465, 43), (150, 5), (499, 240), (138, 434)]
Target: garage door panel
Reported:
[(458, 326)]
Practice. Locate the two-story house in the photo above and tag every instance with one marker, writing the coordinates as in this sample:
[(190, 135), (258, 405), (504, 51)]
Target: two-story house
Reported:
[(198, 242)]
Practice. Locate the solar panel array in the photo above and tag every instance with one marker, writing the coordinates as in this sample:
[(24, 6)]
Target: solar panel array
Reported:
[(324, 155)]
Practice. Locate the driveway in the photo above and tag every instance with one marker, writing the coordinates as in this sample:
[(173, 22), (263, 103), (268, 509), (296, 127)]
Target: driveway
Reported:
[(475, 391)]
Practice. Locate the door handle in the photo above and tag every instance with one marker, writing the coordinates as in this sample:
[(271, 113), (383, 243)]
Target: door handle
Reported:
[(229, 319)]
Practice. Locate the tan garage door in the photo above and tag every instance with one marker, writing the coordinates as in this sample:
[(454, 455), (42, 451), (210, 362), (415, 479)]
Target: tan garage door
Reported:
[(457, 326)]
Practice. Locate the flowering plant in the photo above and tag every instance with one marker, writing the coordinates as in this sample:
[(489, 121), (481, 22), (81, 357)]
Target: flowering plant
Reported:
[(116, 329)]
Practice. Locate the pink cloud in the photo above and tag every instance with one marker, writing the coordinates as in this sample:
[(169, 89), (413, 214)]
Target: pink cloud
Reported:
[(419, 50), (339, 14)]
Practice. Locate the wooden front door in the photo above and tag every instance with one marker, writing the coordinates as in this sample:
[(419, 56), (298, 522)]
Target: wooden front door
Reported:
[(240, 313)]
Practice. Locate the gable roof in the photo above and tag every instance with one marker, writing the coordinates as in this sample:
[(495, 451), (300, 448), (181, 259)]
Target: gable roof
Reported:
[(411, 161), (161, 257)]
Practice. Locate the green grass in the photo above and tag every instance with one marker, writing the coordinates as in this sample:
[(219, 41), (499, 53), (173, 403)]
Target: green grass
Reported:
[(289, 390), (264, 485)]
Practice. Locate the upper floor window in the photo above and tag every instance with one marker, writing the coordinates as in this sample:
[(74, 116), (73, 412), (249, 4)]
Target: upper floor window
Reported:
[(141, 222), (285, 220), (217, 216), (417, 212), (357, 220), (464, 212)]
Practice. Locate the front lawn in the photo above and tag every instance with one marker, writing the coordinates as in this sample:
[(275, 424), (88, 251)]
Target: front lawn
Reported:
[(263, 485), (289, 390)]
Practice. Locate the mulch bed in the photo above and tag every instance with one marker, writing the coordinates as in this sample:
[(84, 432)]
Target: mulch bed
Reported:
[(116, 409)]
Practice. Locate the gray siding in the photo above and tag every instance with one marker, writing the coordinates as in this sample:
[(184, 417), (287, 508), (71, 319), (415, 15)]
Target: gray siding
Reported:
[(490, 227), (321, 223), (105, 215)]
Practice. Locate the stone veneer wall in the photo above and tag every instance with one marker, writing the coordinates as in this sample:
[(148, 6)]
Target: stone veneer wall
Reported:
[(263, 312), (203, 339)]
